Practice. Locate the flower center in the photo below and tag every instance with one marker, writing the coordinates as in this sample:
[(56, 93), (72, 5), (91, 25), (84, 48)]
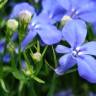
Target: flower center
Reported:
[(73, 12), (76, 52)]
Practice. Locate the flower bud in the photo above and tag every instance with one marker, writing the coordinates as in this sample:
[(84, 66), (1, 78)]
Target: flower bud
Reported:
[(36, 56), (12, 24), (25, 16)]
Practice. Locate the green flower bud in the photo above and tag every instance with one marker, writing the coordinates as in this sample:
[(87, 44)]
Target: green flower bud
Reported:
[(25, 16), (12, 24), (36, 56)]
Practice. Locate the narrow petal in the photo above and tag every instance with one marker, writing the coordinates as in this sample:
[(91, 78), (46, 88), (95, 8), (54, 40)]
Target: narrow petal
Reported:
[(89, 48), (49, 34), (28, 39), (62, 49), (2, 45), (66, 62), (15, 36), (94, 28), (6, 58), (74, 32), (87, 68)]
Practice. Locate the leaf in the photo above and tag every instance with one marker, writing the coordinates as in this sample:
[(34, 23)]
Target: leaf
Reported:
[(2, 3), (19, 76), (38, 79), (3, 86)]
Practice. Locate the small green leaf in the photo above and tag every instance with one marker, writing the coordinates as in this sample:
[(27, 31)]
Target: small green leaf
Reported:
[(2, 3), (38, 79), (19, 75), (3, 86)]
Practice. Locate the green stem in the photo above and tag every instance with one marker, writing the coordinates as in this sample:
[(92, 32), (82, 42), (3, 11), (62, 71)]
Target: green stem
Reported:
[(28, 63), (41, 63), (53, 85)]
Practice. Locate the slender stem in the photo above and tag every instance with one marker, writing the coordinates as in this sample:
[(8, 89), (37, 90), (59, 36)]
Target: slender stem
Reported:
[(41, 63), (52, 89), (44, 52)]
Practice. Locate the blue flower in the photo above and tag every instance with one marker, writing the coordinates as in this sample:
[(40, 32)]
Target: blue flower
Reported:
[(74, 33), (42, 26), (52, 9), (2, 45), (67, 92), (7, 58), (23, 12), (77, 9), (21, 7)]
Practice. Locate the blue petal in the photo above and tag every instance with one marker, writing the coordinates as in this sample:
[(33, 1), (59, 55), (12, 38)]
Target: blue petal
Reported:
[(2, 45), (6, 58), (94, 28), (87, 68), (28, 39), (49, 34), (48, 5), (23, 64), (15, 36), (21, 6), (55, 12), (88, 12), (74, 32), (89, 48), (65, 4), (62, 49), (41, 18), (66, 62)]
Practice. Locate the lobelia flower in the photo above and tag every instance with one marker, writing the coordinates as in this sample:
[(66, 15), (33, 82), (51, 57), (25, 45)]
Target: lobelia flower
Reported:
[(75, 33), (7, 58), (42, 26), (2, 45), (67, 92), (52, 9), (77, 9), (23, 11)]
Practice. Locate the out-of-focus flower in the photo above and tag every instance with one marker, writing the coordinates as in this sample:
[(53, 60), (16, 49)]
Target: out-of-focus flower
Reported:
[(42, 26), (53, 9), (23, 11), (7, 58), (74, 33), (2, 45), (67, 92), (15, 36), (77, 9), (12, 24), (23, 64), (92, 94)]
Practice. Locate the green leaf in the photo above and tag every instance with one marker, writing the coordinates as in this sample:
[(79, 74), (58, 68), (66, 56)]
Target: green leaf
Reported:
[(2, 3), (38, 79), (19, 76), (3, 85)]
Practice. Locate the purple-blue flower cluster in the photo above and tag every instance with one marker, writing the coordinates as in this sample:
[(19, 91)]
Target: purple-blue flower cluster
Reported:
[(77, 14)]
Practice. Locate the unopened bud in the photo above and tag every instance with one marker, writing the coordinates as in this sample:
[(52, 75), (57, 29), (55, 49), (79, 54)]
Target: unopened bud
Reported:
[(28, 73), (25, 16), (36, 56), (12, 24)]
